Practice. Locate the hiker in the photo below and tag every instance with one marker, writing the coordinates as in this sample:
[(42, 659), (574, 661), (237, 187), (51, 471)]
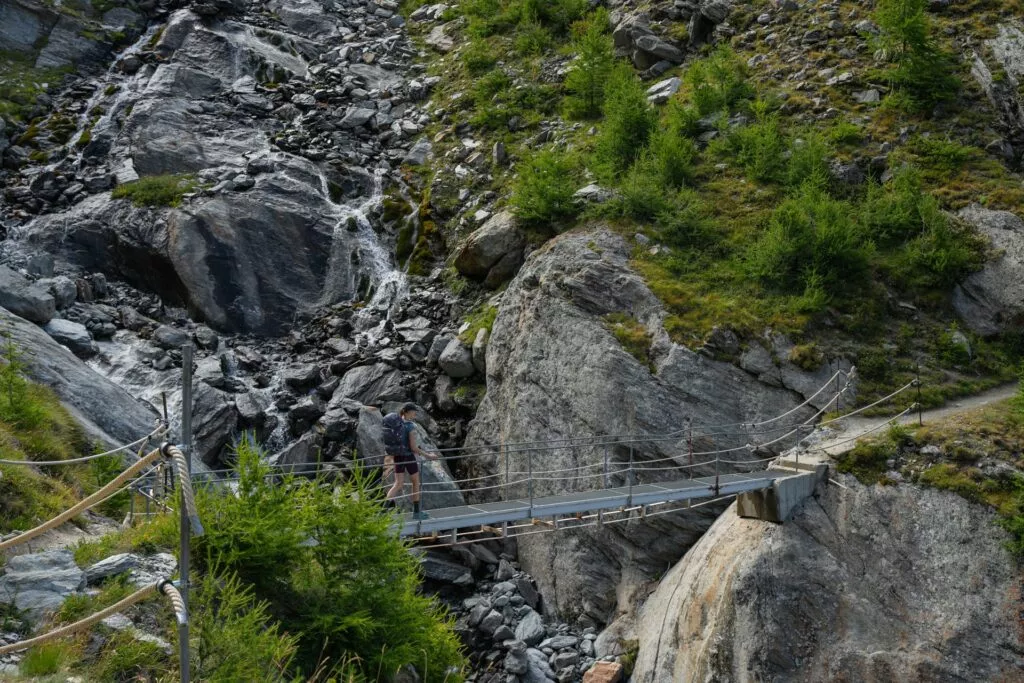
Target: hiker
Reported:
[(401, 449)]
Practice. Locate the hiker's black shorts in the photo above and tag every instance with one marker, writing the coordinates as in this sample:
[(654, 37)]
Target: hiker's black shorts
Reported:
[(406, 464)]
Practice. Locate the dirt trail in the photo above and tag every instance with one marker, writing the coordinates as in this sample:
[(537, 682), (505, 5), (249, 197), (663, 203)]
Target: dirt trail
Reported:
[(850, 429)]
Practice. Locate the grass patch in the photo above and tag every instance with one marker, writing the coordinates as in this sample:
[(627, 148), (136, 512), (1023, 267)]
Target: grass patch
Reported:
[(156, 191), (631, 334), (47, 659), (481, 318)]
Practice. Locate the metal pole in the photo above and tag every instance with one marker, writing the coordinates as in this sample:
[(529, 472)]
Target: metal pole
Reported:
[(529, 476), (917, 380), (689, 443), (504, 490), (716, 476), (606, 483), (837, 388), (186, 530), (629, 476)]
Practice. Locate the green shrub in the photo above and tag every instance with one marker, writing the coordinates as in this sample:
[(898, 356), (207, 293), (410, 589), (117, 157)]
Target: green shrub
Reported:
[(629, 120), (642, 195), (808, 161), (922, 71), (159, 190), (542, 195), (867, 460), (352, 596), (234, 637), (686, 223), (718, 82), (588, 76), (891, 213), (479, 57), (811, 234), (760, 147), (682, 119), (673, 158), (943, 155), (845, 133), (943, 254), (532, 38)]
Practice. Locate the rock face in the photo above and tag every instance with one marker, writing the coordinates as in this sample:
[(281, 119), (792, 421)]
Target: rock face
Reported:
[(38, 583), (1004, 55), (992, 300), (105, 409), (271, 233), (554, 370), (847, 589)]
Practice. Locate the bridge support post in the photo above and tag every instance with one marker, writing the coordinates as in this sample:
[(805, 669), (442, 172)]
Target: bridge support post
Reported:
[(689, 444), (606, 482), (529, 465), (629, 476), (600, 519), (717, 488), (504, 489)]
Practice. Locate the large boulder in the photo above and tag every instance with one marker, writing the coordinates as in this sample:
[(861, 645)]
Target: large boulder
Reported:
[(893, 582), (73, 335), (214, 423), (991, 301), (38, 583), (498, 243), (107, 411), (555, 370), (457, 360), (372, 384), (24, 298)]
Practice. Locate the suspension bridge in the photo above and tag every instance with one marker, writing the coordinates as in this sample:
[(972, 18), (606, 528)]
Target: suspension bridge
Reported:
[(603, 487)]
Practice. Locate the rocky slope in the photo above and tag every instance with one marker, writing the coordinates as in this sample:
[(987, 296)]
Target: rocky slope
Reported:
[(864, 583)]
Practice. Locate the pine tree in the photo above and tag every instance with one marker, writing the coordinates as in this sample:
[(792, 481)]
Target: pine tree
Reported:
[(589, 74), (922, 71)]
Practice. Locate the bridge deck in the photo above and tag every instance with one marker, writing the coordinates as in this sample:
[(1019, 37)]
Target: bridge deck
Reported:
[(464, 516)]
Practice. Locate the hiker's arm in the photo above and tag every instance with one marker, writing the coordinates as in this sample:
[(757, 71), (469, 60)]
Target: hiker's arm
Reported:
[(414, 446)]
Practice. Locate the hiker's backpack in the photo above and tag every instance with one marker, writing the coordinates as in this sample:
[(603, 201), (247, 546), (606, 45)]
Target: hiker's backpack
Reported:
[(394, 434)]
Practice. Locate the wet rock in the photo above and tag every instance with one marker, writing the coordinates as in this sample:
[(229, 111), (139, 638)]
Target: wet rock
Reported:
[(301, 454), (170, 338), (372, 383), (24, 298), (992, 300), (437, 568), (456, 360), (304, 413), (516, 661), (490, 623), (75, 336), (215, 419), (62, 288), (301, 377), (529, 593), (206, 338), (38, 583)]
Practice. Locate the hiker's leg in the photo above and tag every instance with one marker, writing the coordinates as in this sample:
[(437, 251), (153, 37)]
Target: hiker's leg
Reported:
[(389, 466), (415, 492), (396, 490)]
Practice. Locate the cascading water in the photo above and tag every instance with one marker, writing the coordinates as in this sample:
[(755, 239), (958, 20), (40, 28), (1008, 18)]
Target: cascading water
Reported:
[(386, 282)]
